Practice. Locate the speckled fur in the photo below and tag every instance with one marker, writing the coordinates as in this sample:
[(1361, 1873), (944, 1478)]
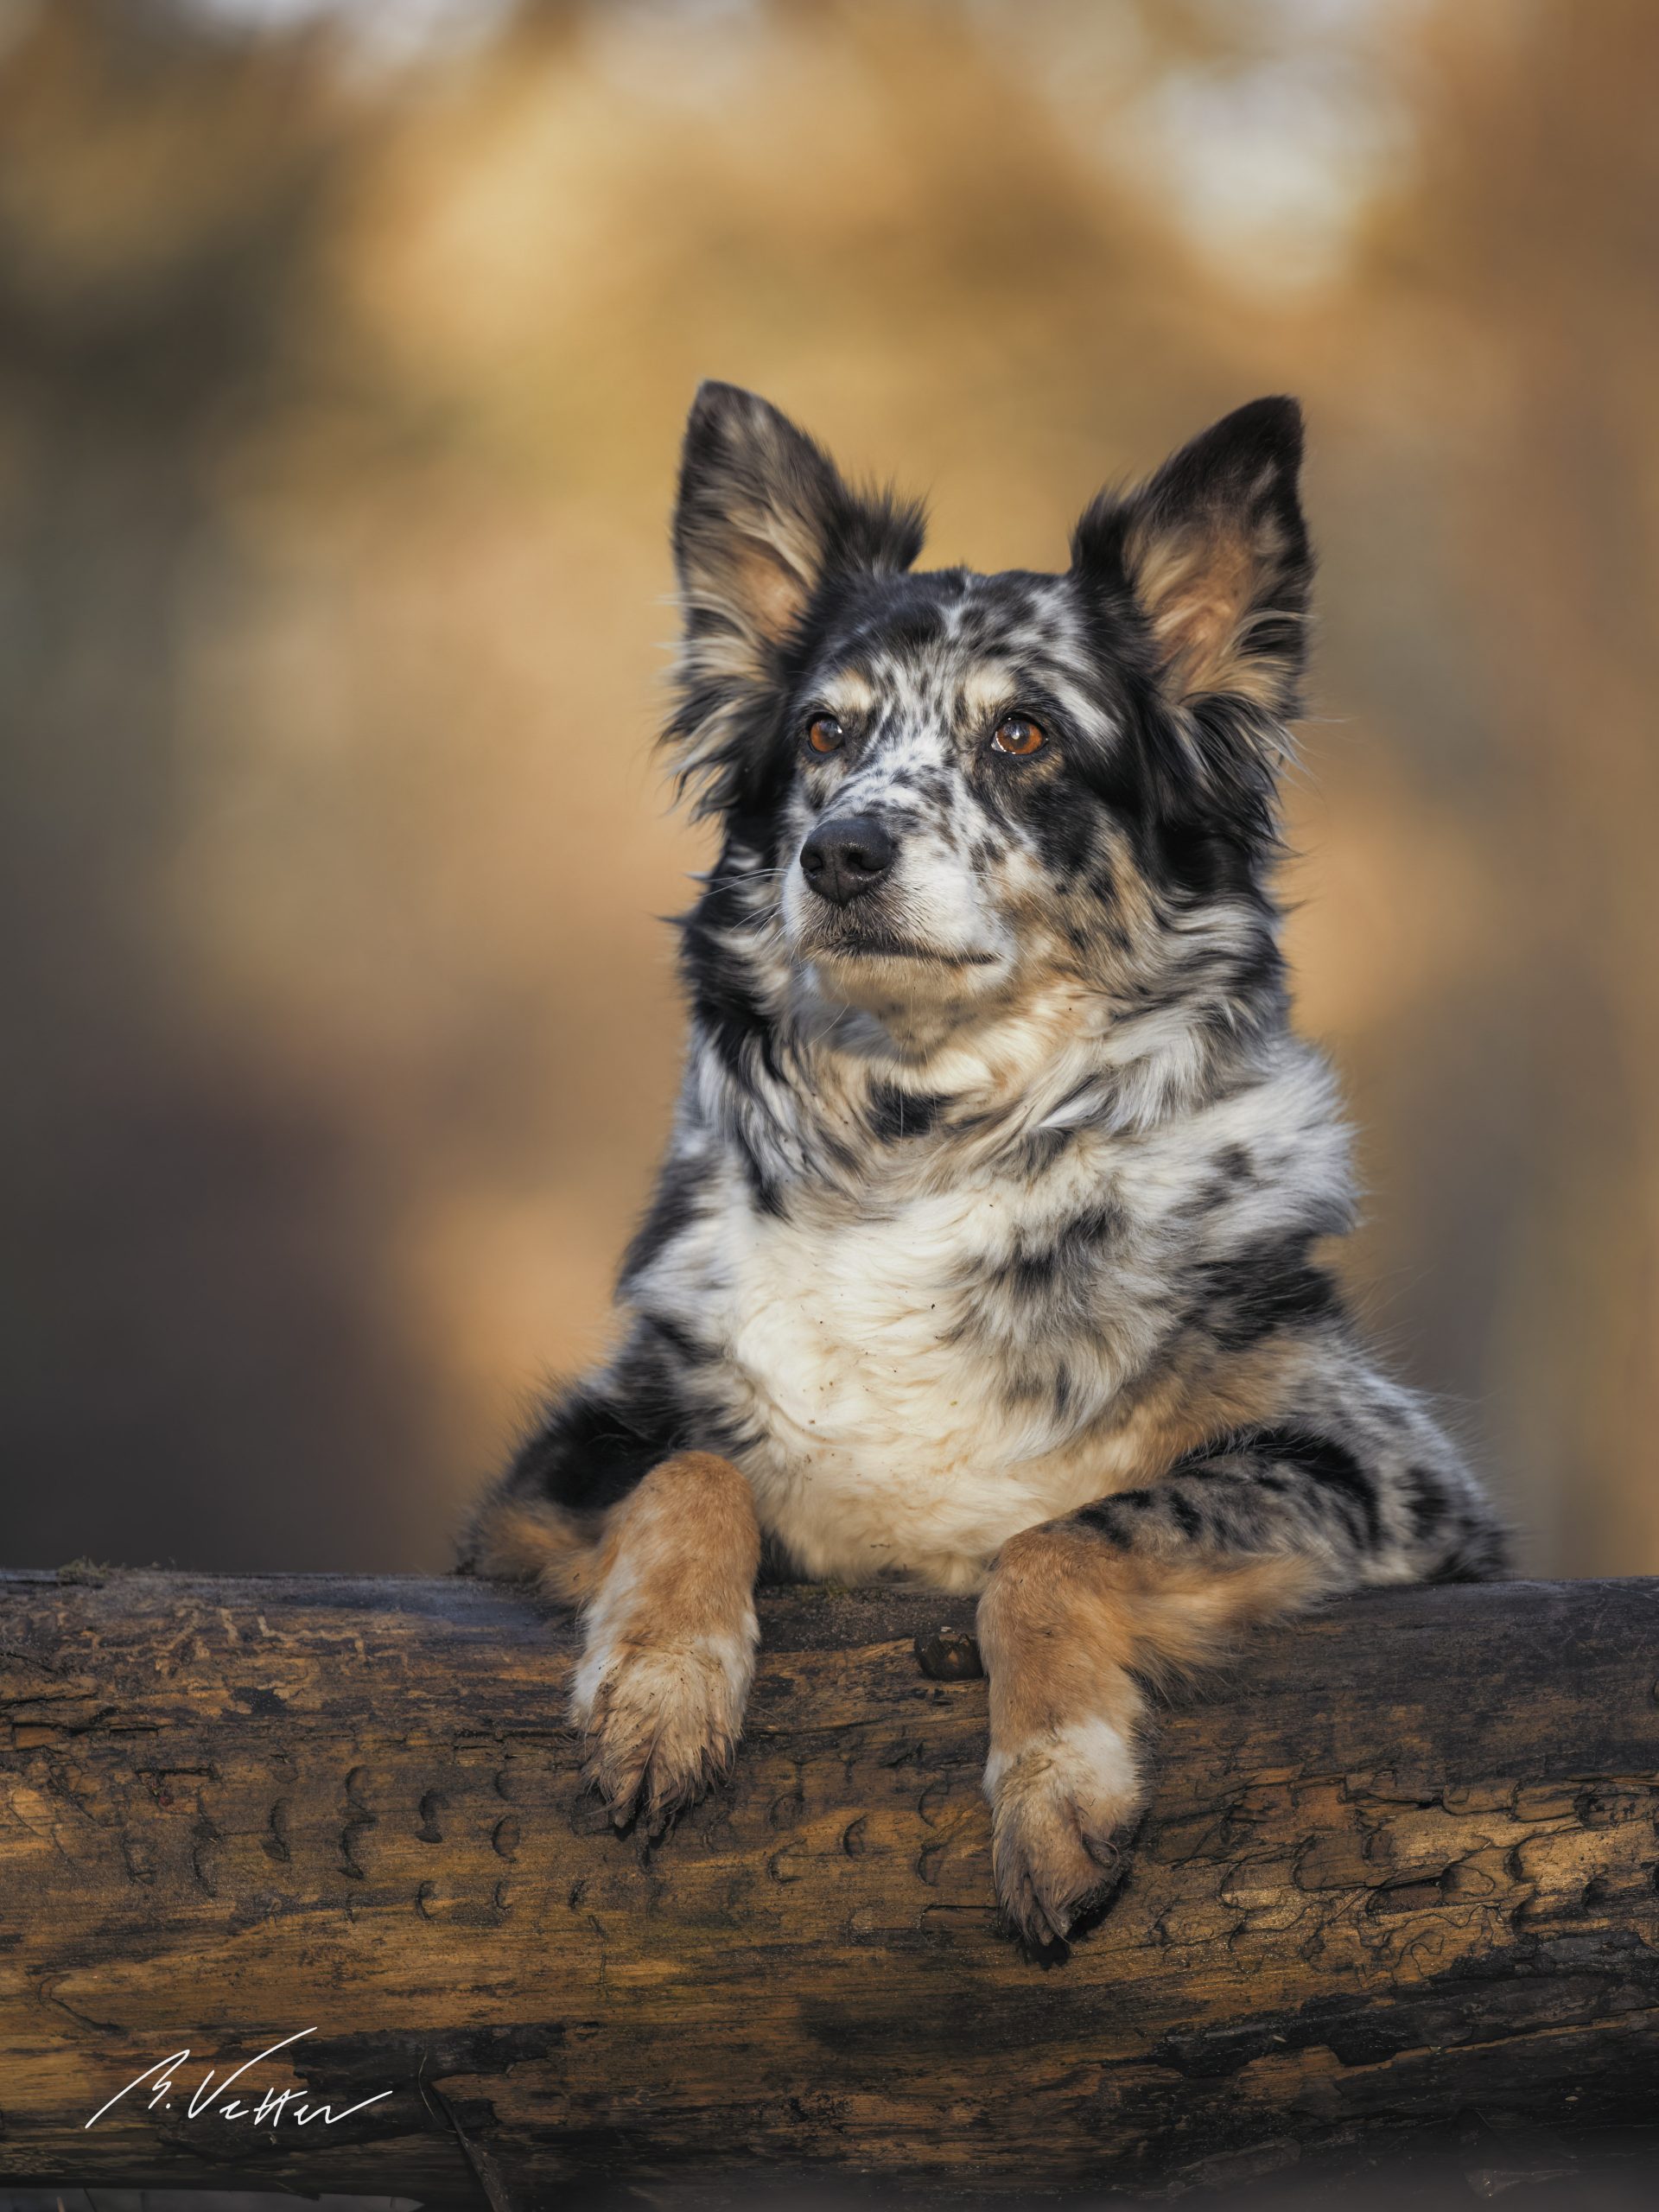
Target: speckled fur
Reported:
[(993, 1197)]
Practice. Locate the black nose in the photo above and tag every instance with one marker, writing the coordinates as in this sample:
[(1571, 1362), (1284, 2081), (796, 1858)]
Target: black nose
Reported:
[(843, 860)]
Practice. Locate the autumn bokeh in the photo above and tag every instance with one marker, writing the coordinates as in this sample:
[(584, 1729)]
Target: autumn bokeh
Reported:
[(343, 352)]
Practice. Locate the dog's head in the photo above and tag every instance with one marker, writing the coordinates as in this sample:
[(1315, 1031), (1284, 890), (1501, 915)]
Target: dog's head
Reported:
[(939, 785)]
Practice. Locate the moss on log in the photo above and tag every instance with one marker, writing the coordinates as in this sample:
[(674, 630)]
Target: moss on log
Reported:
[(1400, 1865)]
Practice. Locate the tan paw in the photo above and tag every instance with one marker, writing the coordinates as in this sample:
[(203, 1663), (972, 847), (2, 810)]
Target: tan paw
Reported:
[(1064, 1807), (662, 1722)]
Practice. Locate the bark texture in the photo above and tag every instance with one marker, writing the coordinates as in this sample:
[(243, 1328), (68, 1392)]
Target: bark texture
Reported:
[(1400, 1867)]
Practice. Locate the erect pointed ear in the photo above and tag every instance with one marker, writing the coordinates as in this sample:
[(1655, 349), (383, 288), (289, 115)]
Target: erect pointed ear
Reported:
[(1214, 552), (762, 522)]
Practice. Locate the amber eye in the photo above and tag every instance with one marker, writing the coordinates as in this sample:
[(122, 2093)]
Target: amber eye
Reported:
[(1017, 733), (823, 732)]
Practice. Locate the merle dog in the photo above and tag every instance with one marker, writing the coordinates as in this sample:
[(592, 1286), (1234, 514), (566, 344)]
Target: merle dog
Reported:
[(984, 1248)]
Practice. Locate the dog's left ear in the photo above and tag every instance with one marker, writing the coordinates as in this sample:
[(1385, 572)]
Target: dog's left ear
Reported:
[(763, 524), (1212, 554)]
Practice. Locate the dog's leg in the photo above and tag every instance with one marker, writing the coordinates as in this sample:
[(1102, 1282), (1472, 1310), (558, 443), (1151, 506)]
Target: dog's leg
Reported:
[(660, 1547), (665, 1581), (1079, 1613), (670, 1638)]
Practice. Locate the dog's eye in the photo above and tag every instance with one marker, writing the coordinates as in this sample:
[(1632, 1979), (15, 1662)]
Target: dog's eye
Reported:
[(1017, 733), (823, 732)]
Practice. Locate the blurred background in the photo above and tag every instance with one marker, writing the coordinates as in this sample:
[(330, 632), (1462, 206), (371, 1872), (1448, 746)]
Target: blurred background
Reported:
[(343, 355)]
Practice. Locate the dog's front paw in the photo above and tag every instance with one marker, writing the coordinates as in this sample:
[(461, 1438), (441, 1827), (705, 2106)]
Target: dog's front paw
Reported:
[(662, 1722), (1064, 1810)]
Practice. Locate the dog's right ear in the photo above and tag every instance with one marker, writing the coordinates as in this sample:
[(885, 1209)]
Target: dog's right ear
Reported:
[(764, 523)]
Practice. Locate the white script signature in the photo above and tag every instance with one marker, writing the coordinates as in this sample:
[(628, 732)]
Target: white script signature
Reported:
[(271, 2105)]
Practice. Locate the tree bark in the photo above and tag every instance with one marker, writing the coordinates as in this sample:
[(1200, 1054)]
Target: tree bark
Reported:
[(1400, 1866)]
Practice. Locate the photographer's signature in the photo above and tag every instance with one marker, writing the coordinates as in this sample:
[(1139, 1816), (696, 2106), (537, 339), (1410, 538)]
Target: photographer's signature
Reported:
[(274, 2105)]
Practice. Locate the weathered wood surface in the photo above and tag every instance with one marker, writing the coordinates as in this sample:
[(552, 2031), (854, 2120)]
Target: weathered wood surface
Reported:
[(1400, 1866)]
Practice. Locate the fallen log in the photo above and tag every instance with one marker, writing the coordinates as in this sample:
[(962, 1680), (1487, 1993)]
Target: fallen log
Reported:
[(1400, 1867)]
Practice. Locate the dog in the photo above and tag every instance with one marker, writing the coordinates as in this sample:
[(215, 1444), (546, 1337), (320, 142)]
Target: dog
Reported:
[(984, 1248)]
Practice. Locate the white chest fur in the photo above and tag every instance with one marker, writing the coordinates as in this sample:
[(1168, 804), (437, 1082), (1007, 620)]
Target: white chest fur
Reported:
[(882, 1449), (903, 1400)]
